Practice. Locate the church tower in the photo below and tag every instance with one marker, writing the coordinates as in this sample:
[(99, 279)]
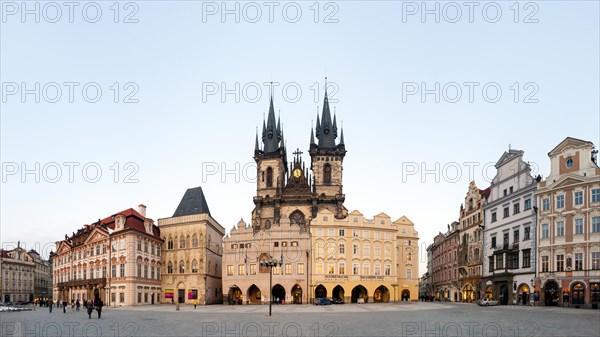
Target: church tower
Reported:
[(327, 159), (271, 162)]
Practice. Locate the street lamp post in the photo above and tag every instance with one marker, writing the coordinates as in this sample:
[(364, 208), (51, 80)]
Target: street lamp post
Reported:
[(270, 263)]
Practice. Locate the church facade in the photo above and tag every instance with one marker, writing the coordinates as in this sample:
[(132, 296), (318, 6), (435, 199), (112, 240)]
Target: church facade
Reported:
[(287, 225)]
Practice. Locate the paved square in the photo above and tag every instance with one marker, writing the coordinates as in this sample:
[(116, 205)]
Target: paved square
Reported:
[(406, 319)]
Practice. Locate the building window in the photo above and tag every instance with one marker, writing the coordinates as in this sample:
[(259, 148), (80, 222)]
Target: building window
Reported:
[(578, 198), (327, 174), (355, 233), (526, 232), (596, 195), (578, 261), (330, 231), (596, 224), (330, 268), (181, 242), (516, 208), (578, 226), (113, 271), (342, 268), (516, 236), (512, 260), (494, 217), (594, 292), (269, 176), (560, 262), (170, 243), (545, 204), (545, 231), (377, 249), (300, 269), (506, 212), (103, 271), (527, 204), (545, 264), (355, 249), (366, 269), (494, 241), (387, 270), (242, 269), (560, 201), (355, 268), (121, 270), (377, 269), (194, 241), (194, 266), (595, 260), (122, 297), (319, 231), (139, 270), (342, 232), (408, 273), (342, 248), (139, 246), (252, 269), (500, 261), (505, 239), (366, 234), (366, 249), (181, 267), (169, 268), (560, 228), (526, 258)]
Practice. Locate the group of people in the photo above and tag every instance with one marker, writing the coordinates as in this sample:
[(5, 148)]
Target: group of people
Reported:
[(75, 305)]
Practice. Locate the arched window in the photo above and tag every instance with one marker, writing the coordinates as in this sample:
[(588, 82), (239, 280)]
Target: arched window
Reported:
[(170, 268), (327, 174), (194, 241), (182, 242), (170, 243), (269, 177), (181, 267), (267, 224), (194, 266)]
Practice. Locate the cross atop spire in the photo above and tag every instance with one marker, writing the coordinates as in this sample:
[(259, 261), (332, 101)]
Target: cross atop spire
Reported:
[(297, 153)]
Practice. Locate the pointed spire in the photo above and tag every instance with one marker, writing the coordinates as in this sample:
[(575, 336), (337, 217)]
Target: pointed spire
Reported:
[(279, 130), (272, 137), (312, 135), (327, 139), (256, 148), (318, 129), (342, 137), (335, 134)]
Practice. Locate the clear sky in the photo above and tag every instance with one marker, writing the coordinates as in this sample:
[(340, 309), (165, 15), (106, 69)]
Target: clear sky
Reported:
[(191, 91)]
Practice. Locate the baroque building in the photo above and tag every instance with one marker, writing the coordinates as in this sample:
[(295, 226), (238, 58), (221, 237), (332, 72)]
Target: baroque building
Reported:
[(18, 275), (192, 252), (470, 249), (568, 230), (290, 204), (510, 227), (116, 259), (43, 275)]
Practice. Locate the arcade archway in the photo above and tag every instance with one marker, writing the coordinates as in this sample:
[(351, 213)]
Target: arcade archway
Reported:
[(338, 292), (320, 291), (254, 295), (381, 295), (297, 294), (359, 294), (278, 294), (405, 295), (235, 295), (551, 294)]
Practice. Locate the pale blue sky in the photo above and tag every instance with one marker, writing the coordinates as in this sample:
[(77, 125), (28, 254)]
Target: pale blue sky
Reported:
[(172, 132)]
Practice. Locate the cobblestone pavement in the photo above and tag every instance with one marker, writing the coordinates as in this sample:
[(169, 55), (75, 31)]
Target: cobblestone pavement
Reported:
[(406, 319)]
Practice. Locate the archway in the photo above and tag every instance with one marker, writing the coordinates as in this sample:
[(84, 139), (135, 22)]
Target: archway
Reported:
[(578, 293), (235, 295), (381, 295), (297, 294), (320, 291), (338, 292), (523, 294), (405, 295), (503, 298), (278, 294), (181, 293), (254, 295), (359, 294), (551, 294), (489, 293), (467, 293)]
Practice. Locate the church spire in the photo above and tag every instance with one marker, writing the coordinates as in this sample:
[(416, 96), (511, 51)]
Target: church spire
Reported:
[(273, 136), (312, 135), (326, 131), (256, 148)]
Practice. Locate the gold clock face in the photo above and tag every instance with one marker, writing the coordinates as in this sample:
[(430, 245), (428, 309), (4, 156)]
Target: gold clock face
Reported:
[(297, 173)]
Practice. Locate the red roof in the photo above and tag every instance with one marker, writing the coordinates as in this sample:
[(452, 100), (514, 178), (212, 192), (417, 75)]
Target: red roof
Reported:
[(133, 220)]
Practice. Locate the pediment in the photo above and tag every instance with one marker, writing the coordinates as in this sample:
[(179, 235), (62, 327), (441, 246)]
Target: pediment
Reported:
[(508, 156), (569, 142), (96, 235), (567, 181)]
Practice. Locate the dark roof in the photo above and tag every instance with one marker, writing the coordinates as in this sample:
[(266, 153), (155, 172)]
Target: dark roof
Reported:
[(193, 202)]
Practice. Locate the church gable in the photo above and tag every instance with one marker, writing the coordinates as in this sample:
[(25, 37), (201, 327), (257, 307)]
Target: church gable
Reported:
[(569, 142)]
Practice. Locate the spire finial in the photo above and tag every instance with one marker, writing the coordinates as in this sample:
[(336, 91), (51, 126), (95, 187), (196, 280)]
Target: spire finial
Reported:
[(508, 146), (325, 84)]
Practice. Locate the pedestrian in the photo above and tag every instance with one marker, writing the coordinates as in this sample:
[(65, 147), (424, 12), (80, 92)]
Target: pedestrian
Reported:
[(195, 303), (50, 305), (77, 305), (64, 304), (90, 308), (99, 305)]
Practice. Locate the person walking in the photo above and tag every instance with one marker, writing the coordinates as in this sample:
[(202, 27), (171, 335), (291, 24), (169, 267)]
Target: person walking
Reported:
[(90, 308), (195, 303), (99, 305), (77, 305), (50, 305), (64, 304)]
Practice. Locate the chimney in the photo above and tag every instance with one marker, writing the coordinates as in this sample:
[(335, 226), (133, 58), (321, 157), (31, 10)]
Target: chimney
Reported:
[(142, 210)]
